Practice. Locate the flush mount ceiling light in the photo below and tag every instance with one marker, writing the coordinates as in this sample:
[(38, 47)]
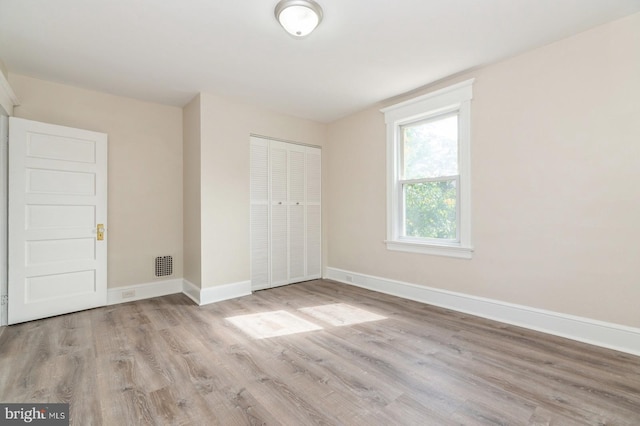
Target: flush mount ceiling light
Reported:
[(298, 17)]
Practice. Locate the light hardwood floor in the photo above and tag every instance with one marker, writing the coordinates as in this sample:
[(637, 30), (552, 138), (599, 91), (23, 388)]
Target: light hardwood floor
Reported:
[(167, 361)]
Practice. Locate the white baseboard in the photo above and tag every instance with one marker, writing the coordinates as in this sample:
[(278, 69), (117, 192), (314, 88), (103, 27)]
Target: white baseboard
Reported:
[(613, 336), (204, 296), (191, 290), (143, 291)]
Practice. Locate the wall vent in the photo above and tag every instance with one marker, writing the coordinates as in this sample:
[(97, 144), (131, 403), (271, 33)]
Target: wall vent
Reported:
[(164, 266)]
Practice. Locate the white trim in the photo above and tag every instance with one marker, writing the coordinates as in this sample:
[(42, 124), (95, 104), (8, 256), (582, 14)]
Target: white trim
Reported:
[(143, 291), (456, 97), (608, 335), (207, 295), (434, 249), (224, 292), (8, 98), (424, 102), (201, 297), (269, 138), (4, 137), (162, 288), (191, 290)]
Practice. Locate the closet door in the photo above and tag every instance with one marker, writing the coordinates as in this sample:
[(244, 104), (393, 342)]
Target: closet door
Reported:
[(279, 213), (313, 188), (260, 247), (286, 235), (297, 207)]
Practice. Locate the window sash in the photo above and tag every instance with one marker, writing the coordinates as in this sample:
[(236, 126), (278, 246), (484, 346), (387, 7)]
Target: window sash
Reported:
[(402, 213), (433, 118), (401, 224)]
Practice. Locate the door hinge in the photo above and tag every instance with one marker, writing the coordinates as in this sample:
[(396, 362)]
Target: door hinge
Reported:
[(4, 300)]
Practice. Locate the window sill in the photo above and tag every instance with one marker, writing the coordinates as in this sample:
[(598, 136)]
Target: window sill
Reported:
[(434, 249)]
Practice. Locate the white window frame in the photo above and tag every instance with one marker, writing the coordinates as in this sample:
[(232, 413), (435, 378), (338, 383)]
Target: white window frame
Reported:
[(452, 99)]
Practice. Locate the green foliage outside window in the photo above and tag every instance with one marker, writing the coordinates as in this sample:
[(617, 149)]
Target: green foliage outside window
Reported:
[(430, 154), (430, 209)]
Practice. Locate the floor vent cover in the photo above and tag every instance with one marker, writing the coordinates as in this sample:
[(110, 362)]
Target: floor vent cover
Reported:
[(164, 266)]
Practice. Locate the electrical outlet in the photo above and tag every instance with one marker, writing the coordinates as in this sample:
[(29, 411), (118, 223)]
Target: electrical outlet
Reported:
[(128, 294), (349, 278)]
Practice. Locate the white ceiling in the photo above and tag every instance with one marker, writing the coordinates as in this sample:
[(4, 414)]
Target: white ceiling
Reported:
[(364, 51)]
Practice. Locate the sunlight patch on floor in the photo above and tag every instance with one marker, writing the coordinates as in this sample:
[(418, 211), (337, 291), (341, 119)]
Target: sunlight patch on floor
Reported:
[(272, 324), (339, 314)]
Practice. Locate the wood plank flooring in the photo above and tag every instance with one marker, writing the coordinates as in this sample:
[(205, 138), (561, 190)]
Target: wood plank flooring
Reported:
[(166, 361)]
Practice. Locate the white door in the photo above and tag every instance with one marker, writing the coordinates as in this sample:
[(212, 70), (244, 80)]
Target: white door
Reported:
[(296, 206), (314, 213), (286, 213), (57, 200), (278, 173), (260, 244)]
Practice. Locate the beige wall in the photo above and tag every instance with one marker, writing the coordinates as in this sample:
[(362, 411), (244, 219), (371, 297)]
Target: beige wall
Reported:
[(145, 170), (226, 126), (191, 134), (555, 173)]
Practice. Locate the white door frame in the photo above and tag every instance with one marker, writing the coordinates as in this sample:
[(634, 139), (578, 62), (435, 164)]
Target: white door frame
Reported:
[(4, 137), (8, 100)]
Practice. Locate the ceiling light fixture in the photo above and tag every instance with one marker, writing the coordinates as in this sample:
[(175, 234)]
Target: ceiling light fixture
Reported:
[(298, 17)]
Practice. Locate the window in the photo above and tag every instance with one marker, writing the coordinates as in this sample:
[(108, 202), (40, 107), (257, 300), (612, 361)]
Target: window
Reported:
[(428, 196)]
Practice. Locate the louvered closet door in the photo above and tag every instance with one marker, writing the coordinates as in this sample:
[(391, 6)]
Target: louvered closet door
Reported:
[(279, 214), (286, 233), (297, 204), (314, 213), (259, 214)]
